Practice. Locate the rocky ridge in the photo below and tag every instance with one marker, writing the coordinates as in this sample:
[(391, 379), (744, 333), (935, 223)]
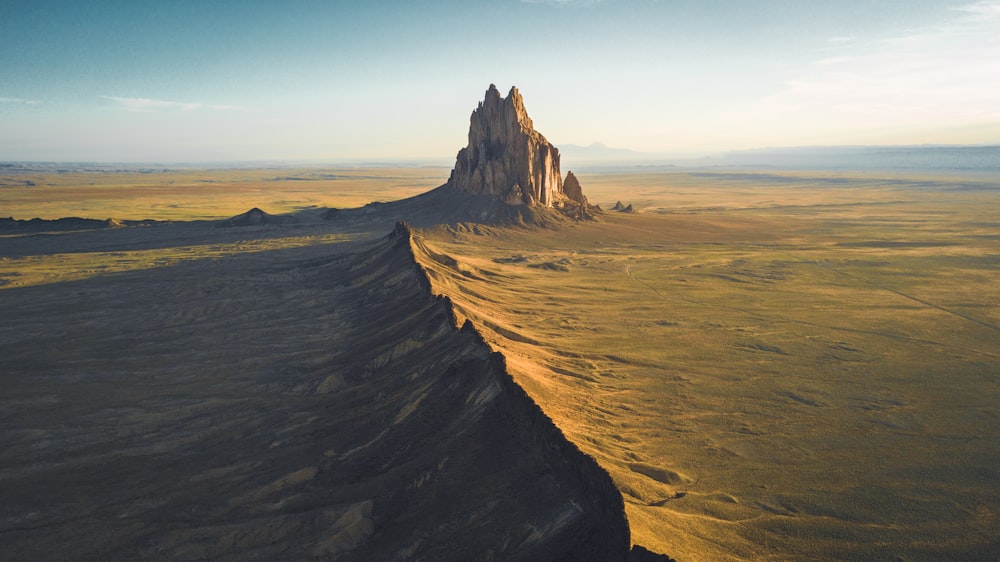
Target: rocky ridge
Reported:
[(254, 217), (379, 429)]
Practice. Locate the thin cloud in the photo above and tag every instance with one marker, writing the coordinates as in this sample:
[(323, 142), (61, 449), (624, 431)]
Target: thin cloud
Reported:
[(948, 73), (19, 100), (984, 9), (563, 2), (147, 104)]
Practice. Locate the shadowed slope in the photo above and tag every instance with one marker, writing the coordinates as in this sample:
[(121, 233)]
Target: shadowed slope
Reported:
[(254, 217), (449, 206), (280, 406), (809, 384)]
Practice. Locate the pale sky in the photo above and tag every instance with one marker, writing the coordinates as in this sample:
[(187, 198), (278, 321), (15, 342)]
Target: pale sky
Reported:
[(196, 81)]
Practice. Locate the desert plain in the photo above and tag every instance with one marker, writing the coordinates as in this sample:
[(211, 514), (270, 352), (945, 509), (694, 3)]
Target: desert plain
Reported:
[(770, 364)]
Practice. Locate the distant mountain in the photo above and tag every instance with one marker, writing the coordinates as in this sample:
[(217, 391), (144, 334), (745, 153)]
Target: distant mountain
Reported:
[(601, 157), (970, 158), (601, 151), (915, 157)]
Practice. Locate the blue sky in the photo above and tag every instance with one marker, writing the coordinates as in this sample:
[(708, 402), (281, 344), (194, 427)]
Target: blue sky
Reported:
[(307, 79)]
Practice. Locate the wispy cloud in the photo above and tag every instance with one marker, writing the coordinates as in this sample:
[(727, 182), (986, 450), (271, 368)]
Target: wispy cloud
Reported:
[(19, 101), (147, 104), (942, 75), (563, 2), (984, 9)]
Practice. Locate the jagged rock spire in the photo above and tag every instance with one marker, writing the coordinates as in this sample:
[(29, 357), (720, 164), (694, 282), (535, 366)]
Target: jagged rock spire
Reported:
[(572, 189), (506, 156)]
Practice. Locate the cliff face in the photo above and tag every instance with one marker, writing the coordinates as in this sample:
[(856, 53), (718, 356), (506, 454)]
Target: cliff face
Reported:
[(506, 156)]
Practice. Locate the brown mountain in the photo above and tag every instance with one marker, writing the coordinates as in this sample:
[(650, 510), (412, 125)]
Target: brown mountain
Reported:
[(506, 156), (508, 173)]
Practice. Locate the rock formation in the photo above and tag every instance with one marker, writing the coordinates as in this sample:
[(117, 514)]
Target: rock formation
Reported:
[(621, 208), (62, 224), (506, 156), (253, 217), (576, 204), (311, 406), (572, 189), (507, 174)]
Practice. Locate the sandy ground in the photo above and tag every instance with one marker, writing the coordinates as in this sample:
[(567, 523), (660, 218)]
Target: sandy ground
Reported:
[(189, 392), (770, 365)]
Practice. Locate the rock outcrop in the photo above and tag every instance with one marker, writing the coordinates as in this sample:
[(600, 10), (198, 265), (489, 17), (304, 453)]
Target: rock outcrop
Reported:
[(506, 156), (58, 225), (572, 189), (254, 217), (507, 174), (576, 204), (621, 208)]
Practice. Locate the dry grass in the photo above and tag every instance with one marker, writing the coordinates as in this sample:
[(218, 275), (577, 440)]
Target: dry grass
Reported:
[(771, 365), (22, 271), (769, 369), (195, 194)]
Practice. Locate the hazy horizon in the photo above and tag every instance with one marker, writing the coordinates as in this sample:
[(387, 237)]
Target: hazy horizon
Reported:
[(304, 80), (599, 158)]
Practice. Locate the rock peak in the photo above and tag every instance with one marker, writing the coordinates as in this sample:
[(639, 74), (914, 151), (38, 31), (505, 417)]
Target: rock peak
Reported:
[(506, 156)]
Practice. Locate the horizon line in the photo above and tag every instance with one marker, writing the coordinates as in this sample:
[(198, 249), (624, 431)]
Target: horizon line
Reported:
[(424, 161)]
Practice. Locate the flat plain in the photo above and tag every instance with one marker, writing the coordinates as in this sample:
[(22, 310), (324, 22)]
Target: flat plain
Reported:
[(770, 364)]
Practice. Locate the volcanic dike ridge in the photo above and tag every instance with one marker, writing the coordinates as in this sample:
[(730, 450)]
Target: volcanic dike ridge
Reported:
[(303, 405)]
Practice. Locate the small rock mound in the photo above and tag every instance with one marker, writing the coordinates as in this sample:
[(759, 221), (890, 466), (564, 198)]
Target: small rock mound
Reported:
[(575, 203), (56, 225), (254, 217), (622, 208), (572, 189)]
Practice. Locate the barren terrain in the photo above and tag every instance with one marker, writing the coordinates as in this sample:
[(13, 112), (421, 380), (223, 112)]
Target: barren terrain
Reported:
[(770, 365)]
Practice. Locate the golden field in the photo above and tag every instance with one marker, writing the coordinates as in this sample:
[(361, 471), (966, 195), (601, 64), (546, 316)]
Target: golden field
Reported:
[(780, 365), (202, 194), (771, 365)]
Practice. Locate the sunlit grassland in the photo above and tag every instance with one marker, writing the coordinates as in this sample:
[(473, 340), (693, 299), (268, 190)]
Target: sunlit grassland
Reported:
[(205, 194), (771, 365), (186, 195), (787, 368), (21, 271)]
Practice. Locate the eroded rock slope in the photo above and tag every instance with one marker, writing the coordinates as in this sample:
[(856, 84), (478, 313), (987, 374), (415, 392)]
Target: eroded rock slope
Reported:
[(283, 406)]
